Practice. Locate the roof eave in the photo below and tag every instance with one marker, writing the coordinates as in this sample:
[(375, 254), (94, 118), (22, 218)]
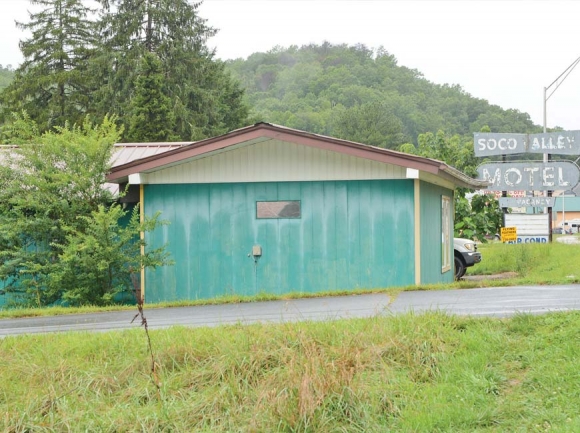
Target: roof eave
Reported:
[(266, 130), (461, 179)]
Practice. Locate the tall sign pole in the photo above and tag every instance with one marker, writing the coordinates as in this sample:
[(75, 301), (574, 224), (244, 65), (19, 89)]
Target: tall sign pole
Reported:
[(545, 116), (558, 80), (546, 160)]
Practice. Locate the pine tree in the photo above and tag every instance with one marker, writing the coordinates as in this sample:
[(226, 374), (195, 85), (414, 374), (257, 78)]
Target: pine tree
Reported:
[(151, 115), (204, 98), (52, 84)]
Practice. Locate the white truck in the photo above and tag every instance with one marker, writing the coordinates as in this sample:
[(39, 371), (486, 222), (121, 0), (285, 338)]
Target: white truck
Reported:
[(465, 254)]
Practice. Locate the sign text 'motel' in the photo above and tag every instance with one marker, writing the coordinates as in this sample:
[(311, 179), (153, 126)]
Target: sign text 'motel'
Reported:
[(529, 176), (561, 143)]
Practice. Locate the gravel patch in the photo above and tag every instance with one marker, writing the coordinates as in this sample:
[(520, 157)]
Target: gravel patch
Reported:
[(502, 276), (571, 239)]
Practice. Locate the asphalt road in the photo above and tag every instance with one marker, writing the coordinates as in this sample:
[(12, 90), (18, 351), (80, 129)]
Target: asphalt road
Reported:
[(498, 302)]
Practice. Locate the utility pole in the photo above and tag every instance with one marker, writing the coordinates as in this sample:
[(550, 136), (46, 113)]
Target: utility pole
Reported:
[(546, 159)]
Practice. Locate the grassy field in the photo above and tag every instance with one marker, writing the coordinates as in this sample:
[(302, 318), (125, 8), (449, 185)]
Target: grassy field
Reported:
[(407, 373), (554, 263)]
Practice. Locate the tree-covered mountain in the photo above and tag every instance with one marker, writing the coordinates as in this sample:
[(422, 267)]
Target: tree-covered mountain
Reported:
[(347, 91), (362, 94)]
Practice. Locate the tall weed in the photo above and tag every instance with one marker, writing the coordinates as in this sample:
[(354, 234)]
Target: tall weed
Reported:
[(429, 372)]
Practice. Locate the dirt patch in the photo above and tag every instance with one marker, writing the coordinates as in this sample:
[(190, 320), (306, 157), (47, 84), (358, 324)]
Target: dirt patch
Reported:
[(502, 276)]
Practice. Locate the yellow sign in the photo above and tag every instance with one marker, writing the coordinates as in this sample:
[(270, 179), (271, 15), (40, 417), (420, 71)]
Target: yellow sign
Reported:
[(508, 234)]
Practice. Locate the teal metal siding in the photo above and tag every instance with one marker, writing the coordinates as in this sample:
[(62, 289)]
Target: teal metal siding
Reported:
[(351, 234), (3, 296), (431, 259)]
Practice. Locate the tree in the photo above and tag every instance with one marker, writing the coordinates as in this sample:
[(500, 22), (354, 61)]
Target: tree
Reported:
[(52, 85), (96, 264), (474, 217), (53, 206), (477, 217), (151, 116), (372, 124), (453, 150), (75, 66), (204, 99)]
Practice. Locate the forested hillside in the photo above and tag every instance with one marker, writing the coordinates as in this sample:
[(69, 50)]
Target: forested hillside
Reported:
[(362, 94), (351, 92)]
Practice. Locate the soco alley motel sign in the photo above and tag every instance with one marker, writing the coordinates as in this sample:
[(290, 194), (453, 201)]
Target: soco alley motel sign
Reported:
[(528, 176), (558, 143)]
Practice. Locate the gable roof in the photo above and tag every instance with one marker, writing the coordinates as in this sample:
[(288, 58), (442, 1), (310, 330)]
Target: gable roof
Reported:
[(266, 131)]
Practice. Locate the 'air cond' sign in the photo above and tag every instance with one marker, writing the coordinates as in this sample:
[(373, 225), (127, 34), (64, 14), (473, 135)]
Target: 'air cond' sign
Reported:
[(530, 176)]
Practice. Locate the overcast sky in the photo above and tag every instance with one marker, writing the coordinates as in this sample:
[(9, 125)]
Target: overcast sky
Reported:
[(503, 51)]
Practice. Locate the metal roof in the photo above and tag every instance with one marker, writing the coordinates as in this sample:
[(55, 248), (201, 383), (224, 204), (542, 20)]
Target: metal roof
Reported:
[(185, 152), (124, 153)]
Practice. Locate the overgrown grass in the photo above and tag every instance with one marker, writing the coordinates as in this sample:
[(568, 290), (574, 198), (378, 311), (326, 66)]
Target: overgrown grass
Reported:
[(554, 263), (421, 373), (525, 264)]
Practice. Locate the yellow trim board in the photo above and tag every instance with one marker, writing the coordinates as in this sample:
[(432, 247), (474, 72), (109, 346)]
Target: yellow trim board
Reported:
[(417, 199), (142, 236)]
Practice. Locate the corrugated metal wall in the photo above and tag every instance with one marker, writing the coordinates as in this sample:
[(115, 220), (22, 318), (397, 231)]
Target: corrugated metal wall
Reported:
[(431, 234), (351, 234), (3, 297)]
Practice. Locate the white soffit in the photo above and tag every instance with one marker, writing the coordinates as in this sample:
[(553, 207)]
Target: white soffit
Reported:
[(436, 180)]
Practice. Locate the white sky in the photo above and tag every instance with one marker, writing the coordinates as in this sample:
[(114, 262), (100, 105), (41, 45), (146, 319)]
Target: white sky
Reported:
[(503, 51)]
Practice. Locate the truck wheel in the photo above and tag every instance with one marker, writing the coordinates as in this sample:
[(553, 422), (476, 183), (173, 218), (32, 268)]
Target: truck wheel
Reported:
[(459, 268)]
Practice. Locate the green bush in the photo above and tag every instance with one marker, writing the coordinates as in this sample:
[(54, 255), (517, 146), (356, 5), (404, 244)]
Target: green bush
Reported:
[(60, 237)]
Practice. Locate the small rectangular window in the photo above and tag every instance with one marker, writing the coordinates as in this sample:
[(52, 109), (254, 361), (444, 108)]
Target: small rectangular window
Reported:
[(278, 209)]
